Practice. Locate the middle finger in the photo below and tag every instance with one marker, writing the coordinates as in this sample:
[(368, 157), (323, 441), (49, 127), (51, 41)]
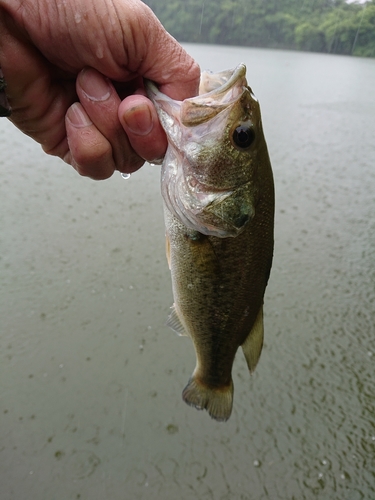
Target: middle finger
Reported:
[(101, 102)]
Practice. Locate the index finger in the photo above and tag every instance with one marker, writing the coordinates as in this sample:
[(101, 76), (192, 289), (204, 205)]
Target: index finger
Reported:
[(166, 62)]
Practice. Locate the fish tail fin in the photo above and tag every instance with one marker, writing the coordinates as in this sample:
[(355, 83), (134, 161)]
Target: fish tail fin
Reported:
[(217, 401)]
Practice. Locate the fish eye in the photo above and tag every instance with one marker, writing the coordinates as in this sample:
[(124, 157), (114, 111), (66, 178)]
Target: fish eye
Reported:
[(243, 135)]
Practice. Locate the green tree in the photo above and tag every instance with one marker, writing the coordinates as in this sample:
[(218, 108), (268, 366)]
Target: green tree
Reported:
[(340, 27), (364, 42), (315, 25), (309, 37), (281, 27)]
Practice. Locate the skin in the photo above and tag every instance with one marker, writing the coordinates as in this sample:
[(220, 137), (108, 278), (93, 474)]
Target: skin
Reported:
[(74, 72)]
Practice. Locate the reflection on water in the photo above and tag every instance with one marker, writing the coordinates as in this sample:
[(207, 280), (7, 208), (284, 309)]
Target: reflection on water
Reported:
[(91, 378)]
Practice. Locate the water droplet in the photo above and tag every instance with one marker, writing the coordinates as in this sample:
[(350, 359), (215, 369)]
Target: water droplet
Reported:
[(369, 353), (125, 176), (320, 475), (131, 287), (256, 463), (156, 162), (324, 462), (141, 347), (61, 366)]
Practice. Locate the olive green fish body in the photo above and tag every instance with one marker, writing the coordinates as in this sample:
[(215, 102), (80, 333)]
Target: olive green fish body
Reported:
[(219, 207)]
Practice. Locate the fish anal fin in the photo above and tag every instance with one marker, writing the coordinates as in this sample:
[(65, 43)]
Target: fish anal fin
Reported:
[(168, 250), (174, 322), (217, 401), (252, 347)]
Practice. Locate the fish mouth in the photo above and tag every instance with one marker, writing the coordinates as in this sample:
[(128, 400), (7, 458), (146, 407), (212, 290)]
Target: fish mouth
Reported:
[(218, 84), (216, 92), (211, 84)]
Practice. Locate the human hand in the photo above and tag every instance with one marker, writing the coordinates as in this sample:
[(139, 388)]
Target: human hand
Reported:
[(74, 74)]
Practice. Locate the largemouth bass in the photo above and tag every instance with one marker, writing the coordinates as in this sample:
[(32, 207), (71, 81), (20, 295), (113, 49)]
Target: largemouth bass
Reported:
[(218, 195)]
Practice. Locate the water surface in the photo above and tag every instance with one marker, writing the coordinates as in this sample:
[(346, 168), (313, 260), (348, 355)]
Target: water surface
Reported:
[(91, 378)]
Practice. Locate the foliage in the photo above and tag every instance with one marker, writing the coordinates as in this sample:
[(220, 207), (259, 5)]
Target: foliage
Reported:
[(314, 25)]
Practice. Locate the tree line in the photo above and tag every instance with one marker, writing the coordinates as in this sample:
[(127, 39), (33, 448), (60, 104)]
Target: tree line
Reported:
[(332, 26)]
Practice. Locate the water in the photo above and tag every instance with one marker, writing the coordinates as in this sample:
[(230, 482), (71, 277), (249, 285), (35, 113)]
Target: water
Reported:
[(90, 376)]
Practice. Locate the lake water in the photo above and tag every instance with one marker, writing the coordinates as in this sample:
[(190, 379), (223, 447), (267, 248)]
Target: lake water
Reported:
[(90, 376)]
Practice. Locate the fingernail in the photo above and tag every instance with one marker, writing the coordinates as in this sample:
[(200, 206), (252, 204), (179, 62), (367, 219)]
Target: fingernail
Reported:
[(77, 117), (138, 119), (95, 86)]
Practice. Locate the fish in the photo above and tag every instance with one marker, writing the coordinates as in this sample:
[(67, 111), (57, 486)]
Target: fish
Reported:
[(218, 191)]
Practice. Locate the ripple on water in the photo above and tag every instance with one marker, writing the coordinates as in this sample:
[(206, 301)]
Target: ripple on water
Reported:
[(81, 464)]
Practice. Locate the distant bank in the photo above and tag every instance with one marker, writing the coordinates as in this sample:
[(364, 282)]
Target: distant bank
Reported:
[(328, 26)]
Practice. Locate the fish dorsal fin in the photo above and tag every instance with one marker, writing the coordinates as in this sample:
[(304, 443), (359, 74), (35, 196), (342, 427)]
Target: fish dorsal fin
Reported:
[(252, 347), (174, 322)]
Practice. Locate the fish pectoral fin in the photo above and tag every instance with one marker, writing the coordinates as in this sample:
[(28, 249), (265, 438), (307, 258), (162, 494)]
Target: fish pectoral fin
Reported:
[(174, 322), (252, 347)]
